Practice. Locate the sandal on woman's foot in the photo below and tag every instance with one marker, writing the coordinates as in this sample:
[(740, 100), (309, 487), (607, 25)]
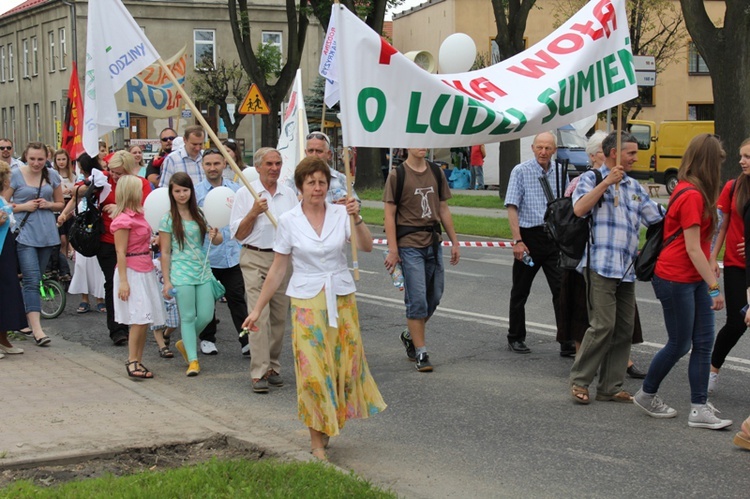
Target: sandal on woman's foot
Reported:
[(146, 370), (580, 394), (101, 307), (83, 307), (167, 338), (26, 332), (136, 371), (319, 453), (621, 396), (165, 353), (43, 341)]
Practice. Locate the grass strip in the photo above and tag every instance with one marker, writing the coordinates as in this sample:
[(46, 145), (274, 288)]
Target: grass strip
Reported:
[(214, 479), (464, 224), (458, 199)]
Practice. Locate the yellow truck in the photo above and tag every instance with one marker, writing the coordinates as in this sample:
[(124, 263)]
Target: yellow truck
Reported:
[(660, 151)]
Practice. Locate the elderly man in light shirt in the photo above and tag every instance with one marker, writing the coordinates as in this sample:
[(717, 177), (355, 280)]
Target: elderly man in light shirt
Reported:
[(253, 229)]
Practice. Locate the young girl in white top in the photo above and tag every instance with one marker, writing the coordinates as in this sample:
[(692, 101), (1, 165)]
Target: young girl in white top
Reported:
[(138, 302)]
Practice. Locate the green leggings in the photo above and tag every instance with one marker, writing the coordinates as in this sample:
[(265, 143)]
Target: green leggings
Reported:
[(195, 304)]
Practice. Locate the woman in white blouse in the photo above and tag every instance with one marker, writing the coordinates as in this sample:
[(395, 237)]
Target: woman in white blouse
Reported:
[(333, 379)]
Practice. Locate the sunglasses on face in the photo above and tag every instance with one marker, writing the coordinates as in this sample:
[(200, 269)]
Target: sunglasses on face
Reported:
[(213, 150), (168, 139), (6, 148), (319, 136)]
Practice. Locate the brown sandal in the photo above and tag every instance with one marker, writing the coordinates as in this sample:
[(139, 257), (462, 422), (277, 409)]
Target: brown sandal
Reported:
[(319, 453), (580, 394), (621, 396), (165, 353)]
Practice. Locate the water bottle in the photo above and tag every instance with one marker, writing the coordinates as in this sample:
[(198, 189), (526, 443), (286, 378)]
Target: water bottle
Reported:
[(173, 292), (527, 259), (397, 275)]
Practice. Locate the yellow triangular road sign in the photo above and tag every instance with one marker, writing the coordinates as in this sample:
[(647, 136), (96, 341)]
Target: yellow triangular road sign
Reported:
[(254, 103)]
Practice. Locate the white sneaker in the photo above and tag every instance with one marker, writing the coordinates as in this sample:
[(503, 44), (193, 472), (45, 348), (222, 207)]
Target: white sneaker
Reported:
[(713, 380), (208, 348), (704, 416), (653, 405)]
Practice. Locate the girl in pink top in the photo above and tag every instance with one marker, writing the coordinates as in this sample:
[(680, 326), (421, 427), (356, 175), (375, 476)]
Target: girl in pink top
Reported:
[(138, 302)]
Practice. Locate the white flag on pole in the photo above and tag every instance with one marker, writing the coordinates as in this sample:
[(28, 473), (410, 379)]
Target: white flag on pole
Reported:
[(116, 51), (328, 68), (294, 129)]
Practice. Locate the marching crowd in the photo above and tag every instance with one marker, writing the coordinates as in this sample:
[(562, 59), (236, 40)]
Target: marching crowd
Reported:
[(284, 250)]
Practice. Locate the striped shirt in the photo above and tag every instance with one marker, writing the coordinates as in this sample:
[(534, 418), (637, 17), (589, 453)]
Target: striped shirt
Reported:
[(179, 161), (616, 229), (526, 194)]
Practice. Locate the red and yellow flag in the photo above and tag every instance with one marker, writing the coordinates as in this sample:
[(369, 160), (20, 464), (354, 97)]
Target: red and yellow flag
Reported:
[(72, 133)]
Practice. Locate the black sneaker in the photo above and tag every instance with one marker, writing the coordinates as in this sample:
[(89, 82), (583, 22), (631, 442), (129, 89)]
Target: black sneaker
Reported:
[(423, 363), (411, 352)]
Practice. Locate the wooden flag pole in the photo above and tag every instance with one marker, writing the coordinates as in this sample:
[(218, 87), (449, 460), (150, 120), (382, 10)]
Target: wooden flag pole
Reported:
[(618, 131), (352, 221), (212, 135)]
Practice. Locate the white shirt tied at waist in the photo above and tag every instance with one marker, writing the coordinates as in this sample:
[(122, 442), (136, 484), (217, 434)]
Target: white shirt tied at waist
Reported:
[(318, 262)]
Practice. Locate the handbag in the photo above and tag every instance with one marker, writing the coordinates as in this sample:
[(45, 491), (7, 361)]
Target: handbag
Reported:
[(217, 288), (87, 227), (645, 262)]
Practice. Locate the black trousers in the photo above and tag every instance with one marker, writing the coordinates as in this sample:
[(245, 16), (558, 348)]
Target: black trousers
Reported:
[(544, 253), (735, 294), (231, 278), (107, 258)]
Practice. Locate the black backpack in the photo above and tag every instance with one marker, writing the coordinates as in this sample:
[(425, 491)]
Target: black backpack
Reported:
[(569, 231), (85, 232)]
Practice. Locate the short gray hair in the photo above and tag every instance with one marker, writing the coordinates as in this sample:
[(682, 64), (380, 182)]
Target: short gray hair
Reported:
[(261, 153), (595, 142)]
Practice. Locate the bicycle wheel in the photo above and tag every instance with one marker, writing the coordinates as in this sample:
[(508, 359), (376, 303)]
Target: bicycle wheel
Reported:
[(53, 298)]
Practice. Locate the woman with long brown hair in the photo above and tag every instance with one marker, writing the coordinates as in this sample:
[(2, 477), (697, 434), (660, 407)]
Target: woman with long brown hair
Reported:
[(184, 265), (687, 286), (732, 203)]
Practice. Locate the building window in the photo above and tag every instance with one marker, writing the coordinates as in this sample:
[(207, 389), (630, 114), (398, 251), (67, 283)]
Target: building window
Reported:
[(35, 56), (53, 114), (63, 48), (646, 95), (51, 51), (38, 122), (273, 38), (25, 45), (27, 112), (11, 69), (701, 112), (2, 66), (5, 122), (13, 134), (696, 64), (204, 45)]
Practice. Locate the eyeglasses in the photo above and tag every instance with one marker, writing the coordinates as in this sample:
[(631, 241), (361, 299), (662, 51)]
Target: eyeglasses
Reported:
[(6, 148), (318, 136), (168, 139)]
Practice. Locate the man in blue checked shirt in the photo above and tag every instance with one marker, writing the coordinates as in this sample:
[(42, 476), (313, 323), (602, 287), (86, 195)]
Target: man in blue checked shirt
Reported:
[(224, 258), (610, 277), (526, 205), (187, 159)]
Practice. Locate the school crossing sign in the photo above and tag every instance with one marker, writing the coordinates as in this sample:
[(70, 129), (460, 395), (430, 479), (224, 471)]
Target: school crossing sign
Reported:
[(254, 103)]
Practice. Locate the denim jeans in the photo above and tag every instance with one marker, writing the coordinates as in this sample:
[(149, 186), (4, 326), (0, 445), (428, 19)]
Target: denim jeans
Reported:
[(690, 323), (424, 278), (477, 178), (32, 261)]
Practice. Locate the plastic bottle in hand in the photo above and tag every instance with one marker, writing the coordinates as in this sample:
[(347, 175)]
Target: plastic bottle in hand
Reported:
[(526, 258), (173, 292), (397, 276)]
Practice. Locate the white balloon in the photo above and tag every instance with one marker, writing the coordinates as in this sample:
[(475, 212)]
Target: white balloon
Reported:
[(457, 54), (217, 207), (250, 173), (156, 205)]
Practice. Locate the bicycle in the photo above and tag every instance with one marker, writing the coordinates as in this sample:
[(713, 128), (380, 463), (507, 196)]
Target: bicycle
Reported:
[(53, 297)]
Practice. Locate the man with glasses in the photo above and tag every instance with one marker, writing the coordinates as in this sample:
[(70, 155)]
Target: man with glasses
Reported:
[(186, 160), (318, 144), (6, 153), (526, 205), (153, 171), (252, 228), (224, 257)]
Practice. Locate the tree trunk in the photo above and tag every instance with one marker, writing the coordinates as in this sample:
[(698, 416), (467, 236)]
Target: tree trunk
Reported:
[(509, 157), (727, 55), (269, 125)]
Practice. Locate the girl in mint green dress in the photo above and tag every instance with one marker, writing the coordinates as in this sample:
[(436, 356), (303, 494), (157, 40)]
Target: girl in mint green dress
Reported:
[(183, 262)]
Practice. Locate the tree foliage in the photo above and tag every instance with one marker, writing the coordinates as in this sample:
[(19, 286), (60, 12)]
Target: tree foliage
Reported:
[(371, 11), (214, 85), (725, 48), (273, 85)]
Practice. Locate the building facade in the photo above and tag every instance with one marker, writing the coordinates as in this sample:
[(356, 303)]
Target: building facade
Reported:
[(37, 47), (682, 92)]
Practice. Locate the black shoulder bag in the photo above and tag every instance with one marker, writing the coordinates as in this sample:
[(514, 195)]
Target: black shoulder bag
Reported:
[(85, 232)]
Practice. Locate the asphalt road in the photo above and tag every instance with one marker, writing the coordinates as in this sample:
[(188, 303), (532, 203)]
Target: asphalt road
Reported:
[(487, 422)]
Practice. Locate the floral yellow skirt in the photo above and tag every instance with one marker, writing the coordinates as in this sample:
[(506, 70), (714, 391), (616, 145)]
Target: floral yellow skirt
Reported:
[(333, 380)]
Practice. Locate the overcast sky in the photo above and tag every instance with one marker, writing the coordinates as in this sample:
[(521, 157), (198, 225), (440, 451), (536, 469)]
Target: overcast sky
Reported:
[(408, 4)]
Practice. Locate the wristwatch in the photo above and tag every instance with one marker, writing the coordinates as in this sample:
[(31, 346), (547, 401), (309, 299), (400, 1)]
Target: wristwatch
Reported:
[(516, 241)]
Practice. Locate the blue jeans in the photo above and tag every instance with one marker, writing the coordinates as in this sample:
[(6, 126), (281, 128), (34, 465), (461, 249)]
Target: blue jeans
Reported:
[(32, 261), (424, 278), (477, 178), (690, 323)]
